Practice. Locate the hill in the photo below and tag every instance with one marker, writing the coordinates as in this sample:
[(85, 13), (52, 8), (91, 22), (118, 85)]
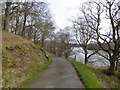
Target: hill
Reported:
[(95, 46), (21, 60)]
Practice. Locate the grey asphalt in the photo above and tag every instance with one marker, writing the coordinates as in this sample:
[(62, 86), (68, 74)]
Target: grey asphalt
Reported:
[(59, 74)]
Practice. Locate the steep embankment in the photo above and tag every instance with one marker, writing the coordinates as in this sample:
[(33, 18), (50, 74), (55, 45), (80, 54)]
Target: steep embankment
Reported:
[(21, 60)]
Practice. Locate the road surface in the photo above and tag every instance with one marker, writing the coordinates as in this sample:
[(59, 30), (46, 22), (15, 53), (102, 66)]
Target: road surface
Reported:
[(59, 74)]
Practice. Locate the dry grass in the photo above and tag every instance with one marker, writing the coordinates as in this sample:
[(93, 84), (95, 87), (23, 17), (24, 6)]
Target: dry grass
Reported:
[(21, 59)]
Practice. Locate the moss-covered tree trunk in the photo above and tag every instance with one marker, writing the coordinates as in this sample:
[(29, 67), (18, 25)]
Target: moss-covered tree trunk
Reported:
[(113, 63)]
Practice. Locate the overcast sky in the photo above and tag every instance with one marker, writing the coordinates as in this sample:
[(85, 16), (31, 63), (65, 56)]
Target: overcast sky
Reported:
[(62, 10)]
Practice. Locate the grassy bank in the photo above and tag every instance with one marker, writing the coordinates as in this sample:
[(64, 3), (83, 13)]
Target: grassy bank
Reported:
[(35, 75), (93, 78), (87, 76), (22, 60)]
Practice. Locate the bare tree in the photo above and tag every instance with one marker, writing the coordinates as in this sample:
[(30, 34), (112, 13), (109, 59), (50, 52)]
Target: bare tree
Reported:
[(83, 35), (51, 43), (43, 23), (110, 39), (64, 47), (31, 20), (26, 11)]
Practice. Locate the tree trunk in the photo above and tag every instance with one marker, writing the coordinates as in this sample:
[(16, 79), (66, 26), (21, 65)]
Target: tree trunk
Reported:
[(66, 55), (86, 59), (114, 59), (5, 23), (24, 23), (17, 21), (116, 65), (35, 37), (42, 41), (112, 68)]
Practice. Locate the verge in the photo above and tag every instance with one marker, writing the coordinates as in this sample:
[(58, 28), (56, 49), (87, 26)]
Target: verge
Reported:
[(87, 75), (26, 83)]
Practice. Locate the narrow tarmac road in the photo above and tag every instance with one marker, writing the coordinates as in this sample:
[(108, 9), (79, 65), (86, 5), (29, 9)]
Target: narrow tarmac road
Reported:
[(59, 74)]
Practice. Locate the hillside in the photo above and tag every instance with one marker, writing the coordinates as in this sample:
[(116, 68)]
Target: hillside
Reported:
[(94, 46), (21, 60)]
